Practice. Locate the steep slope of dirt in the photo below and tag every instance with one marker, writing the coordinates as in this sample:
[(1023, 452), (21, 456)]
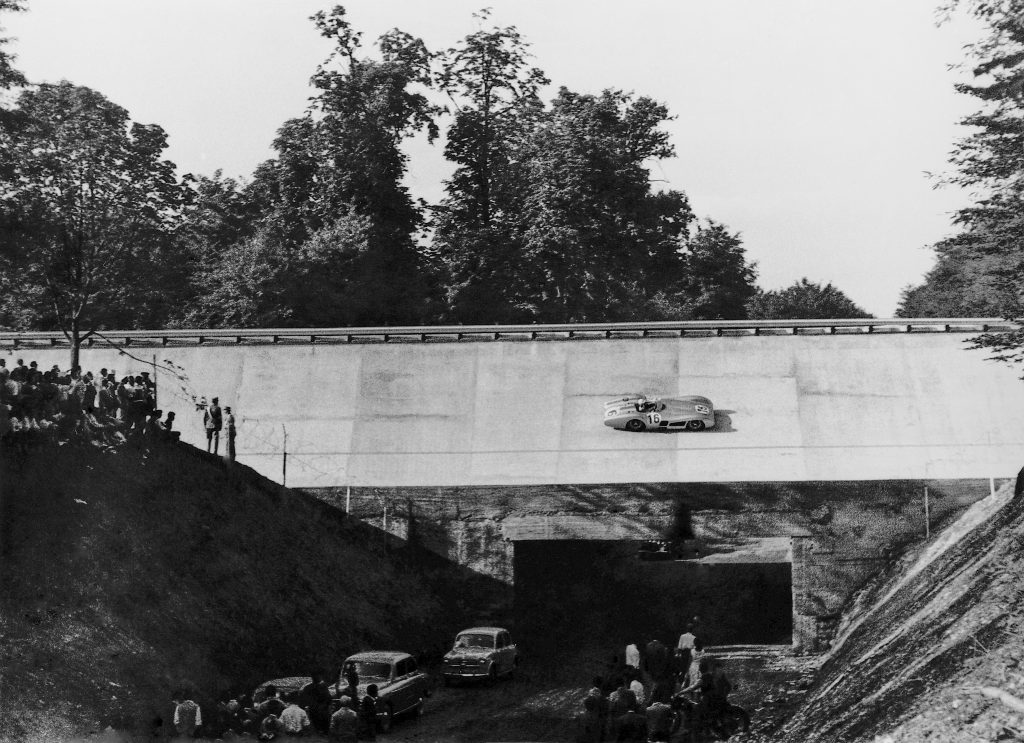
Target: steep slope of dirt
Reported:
[(127, 574), (932, 643)]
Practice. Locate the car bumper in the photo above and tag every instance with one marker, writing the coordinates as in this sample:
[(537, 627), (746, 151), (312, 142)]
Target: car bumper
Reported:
[(464, 673)]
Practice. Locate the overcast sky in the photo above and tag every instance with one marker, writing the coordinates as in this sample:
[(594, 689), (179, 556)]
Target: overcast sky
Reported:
[(808, 126)]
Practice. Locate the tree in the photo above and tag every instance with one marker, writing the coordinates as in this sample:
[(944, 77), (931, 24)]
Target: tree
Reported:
[(802, 301), (980, 271), (717, 282), (84, 212), (597, 243), (494, 97), (9, 76), (336, 228)]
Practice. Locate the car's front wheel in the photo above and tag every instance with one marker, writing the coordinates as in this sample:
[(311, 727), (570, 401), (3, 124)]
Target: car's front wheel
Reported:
[(695, 425), (492, 673), (384, 721), (635, 425)]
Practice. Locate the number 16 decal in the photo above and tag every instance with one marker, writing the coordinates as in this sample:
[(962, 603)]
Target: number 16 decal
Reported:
[(654, 418)]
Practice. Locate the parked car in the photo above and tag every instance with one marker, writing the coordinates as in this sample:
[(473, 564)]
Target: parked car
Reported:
[(480, 653), (401, 686), (637, 412)]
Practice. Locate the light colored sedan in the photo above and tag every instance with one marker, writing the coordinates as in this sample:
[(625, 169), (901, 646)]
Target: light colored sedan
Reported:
[(481, 653), (638, 412), (401, 686)]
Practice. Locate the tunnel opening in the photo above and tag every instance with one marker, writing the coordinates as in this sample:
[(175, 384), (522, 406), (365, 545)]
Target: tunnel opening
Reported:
[(571, 592)]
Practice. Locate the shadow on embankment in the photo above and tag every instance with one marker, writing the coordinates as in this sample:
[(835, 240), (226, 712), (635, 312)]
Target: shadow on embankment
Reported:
[(931, 643), (126, 575)]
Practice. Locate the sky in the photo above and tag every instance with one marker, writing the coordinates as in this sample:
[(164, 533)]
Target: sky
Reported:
[(809, 127)]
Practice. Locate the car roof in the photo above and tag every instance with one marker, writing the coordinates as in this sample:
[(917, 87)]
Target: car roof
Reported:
[(484, 630), (287, 683), (379, 655)]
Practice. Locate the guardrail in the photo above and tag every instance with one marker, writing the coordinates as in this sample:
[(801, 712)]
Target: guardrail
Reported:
[(564, 331)]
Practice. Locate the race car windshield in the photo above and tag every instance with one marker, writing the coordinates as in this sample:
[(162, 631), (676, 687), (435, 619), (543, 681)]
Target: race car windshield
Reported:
[(370, 669), (475, 641)]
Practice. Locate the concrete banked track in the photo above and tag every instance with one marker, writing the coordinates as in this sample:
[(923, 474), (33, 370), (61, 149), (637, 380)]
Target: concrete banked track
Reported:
[(431, 406)]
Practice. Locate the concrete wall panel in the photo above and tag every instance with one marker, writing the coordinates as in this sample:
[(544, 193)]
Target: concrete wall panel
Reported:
[(841, 407)]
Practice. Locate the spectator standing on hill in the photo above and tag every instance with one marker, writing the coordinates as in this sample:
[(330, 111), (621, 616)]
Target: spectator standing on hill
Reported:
[(315, 697), (662, 721), (633, 656), (229, 423), (632, 726), (368, 714), (344, 722), (188, 717), (213, 422), (294, 720), (20, 372), (4, 371)]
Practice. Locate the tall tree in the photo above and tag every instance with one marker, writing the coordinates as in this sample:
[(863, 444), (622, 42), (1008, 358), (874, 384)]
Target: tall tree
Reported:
[(84, 211), (337, 232), (804, 300), (980, 271), (493, 92), (596, 242), (9, 76)]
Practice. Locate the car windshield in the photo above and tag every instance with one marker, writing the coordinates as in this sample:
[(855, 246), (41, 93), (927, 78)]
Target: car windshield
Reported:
[(369, 669), (474, 641)]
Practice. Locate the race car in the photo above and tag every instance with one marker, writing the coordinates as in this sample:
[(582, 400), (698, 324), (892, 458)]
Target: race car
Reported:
[(637, 412)]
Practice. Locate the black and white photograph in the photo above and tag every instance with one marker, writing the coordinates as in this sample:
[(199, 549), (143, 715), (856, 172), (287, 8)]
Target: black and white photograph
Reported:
[(501, 371)]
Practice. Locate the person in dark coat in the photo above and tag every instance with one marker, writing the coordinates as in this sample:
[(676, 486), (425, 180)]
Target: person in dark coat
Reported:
[(368, 714)]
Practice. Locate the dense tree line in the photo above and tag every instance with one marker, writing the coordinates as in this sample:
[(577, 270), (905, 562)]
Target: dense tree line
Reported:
[(549, 215), (978, 271)]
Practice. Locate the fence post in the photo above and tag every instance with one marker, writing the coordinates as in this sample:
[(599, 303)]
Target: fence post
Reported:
[(284, 457)]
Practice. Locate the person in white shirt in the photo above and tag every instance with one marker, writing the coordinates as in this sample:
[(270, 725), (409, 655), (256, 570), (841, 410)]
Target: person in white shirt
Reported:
[(633, 655), (294, 719), (638, 690)]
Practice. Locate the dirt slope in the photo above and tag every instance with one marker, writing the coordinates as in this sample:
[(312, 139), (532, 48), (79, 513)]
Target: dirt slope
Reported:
[(127, 574), (928, 639)]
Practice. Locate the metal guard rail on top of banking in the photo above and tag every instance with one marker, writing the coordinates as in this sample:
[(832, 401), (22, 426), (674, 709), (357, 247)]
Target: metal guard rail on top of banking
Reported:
[(421, 333)]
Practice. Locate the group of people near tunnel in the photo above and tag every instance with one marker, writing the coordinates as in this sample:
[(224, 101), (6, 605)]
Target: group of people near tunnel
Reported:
[(61, 405), (345, 715), (653, 692)]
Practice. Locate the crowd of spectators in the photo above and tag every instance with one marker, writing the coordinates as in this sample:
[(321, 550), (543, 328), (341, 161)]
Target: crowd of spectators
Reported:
[(659, 694), (63, 405), (339, 712)]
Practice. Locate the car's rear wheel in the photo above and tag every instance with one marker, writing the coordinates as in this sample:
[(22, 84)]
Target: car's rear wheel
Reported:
[(384, 721), (635, 425), (695, 425)]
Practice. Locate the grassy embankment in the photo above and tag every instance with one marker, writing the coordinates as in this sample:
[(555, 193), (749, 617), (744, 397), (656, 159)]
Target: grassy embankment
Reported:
[(128, 574)]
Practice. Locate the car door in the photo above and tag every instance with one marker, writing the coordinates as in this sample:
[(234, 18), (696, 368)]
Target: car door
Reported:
[(403, 685), (501, 643)]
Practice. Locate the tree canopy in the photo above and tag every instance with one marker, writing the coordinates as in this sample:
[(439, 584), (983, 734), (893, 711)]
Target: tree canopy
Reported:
[(979, 270), (86, 212), (549, 214), (804, 300)]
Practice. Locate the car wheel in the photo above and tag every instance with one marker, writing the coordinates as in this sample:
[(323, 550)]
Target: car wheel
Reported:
[(695, 425), (492, 674), (635, 425), (384, 721), (514, 668)]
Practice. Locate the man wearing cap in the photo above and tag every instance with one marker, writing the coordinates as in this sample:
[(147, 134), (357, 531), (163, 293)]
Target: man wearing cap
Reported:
[(212, 421)]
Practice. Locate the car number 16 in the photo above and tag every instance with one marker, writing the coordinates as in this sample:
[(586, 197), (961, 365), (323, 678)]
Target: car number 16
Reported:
[(654, 418)]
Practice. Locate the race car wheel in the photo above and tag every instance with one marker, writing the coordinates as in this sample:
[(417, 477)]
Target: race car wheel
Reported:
[(695, 425), (635, 425)]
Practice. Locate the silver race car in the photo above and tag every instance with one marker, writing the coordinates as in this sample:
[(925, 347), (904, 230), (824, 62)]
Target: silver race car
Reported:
[(638, 412)]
